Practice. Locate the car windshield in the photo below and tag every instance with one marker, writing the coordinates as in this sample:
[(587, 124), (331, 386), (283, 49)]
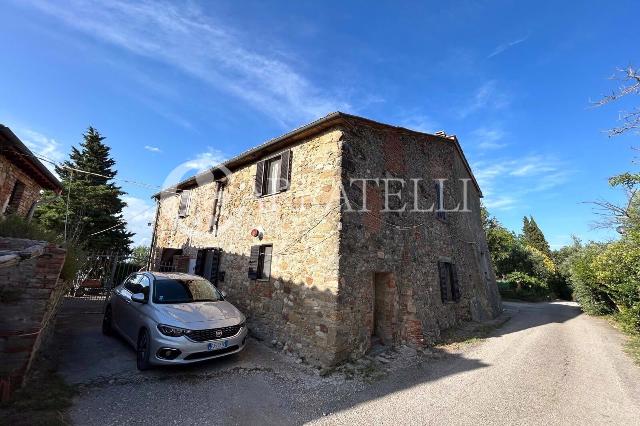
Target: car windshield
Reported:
[(184, 290)]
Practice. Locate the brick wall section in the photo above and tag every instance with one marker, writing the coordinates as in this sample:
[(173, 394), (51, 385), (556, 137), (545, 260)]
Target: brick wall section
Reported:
[(408, 245), (30, 292), (9, 173)]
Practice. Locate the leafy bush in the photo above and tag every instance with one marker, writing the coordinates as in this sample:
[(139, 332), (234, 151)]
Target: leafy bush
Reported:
[(522, 281), (518, 285), (17, 227)]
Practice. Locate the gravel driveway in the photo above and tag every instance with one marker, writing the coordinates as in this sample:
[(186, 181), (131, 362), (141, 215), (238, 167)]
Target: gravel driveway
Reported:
[(549, 364)]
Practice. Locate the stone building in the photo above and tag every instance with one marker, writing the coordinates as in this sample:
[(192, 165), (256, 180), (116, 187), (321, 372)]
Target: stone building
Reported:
[(22, 176), (307, 235)]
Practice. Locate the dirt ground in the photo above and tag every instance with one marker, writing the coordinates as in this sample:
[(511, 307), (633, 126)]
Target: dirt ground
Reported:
[(548, 364)]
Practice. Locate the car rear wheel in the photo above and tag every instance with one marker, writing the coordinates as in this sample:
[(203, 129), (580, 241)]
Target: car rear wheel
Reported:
[(107, 325), (143, 350)]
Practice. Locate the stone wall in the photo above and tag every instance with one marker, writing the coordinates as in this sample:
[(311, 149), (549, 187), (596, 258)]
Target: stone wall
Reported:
[(30, 292), (320, 299), (9, 173), (407, 245), (297, 306)]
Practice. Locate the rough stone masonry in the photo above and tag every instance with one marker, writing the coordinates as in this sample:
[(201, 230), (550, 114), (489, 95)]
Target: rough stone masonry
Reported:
[(30, 292), (304, 236)]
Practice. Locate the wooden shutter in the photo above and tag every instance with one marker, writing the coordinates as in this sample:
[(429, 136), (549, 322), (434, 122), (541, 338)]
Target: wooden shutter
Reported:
[(455, 285), (199, 269), (215, 266), (442, 275), (16, 196), (285, 170), (259, 178), (253, 262)]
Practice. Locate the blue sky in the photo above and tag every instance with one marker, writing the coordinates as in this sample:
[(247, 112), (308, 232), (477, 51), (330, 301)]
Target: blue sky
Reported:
[(179, 86)]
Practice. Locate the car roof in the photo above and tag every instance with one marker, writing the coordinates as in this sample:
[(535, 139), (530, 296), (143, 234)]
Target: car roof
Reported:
[(171, 275)]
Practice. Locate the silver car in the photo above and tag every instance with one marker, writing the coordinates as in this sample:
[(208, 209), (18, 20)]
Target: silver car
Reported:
[(174, 318)]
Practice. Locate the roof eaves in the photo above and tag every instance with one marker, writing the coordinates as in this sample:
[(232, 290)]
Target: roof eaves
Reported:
[(316, 125), (12, 139)]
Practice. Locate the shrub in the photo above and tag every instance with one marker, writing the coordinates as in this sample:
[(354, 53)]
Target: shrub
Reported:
[(588, 291), (522, 281), (17, 227), (519, 285)]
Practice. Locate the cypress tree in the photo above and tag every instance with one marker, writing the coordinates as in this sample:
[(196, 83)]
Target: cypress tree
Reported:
[(94, 216), (533, 236)]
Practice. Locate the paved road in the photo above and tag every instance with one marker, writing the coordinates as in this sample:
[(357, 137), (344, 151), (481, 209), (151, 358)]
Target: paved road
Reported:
[(549, 365)]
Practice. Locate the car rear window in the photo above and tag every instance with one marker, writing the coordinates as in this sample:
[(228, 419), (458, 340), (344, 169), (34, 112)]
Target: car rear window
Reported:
[(186, 290)]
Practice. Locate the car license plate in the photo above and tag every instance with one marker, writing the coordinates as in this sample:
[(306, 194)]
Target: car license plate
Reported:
[(217, 345)]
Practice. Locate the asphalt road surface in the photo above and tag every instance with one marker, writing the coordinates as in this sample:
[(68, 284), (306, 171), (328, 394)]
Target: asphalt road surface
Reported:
[(550, 364)]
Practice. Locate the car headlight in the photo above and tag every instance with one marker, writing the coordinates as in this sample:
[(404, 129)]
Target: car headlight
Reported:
[(168, 330)]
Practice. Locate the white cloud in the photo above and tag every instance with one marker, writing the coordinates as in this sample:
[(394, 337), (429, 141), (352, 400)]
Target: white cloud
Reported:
[(507, 182), (501, 48), (138, 214), (152, 148), (186, 39), (486, 138), (420, 123), (199, 163), (42, 146), (500, 203), (487, 96)]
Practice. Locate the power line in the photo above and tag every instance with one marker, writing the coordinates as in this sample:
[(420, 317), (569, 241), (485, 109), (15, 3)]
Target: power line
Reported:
[(64, 166), (118, 224)]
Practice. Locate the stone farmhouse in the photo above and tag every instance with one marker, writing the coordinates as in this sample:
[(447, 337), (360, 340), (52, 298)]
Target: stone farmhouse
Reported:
[(325, 262), (22, 176)]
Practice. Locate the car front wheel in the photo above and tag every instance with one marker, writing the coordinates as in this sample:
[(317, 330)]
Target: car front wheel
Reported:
[(143, 350)]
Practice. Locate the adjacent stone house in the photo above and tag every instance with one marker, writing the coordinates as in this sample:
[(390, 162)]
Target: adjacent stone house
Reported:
[(306, 234), (22, 176)]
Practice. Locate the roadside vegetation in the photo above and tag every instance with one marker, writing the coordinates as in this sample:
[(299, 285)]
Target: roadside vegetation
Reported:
[(603, 277), (17, 227), (43, 400), (526, 268)]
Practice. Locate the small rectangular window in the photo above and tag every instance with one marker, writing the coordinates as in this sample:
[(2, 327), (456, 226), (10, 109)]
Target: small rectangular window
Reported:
[(264, 262), (185, 198), (271, 176), (260, 262)]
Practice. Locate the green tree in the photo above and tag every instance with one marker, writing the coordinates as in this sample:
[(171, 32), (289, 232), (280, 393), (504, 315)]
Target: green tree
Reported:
[(140, 253), (89, 212), (533, 236)]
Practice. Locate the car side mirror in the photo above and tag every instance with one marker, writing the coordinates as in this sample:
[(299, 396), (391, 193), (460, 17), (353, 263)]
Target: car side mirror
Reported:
[(223, 293), (138, 297)]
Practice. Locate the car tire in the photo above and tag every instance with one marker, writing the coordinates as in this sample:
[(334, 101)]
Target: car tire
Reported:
[(107, 322), (143, 350)]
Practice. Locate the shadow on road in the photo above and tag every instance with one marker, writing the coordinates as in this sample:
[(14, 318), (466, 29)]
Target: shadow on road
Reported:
[(89, 359)]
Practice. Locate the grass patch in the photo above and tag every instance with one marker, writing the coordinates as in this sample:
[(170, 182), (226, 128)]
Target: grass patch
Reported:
[(42, 401), (632, 347)]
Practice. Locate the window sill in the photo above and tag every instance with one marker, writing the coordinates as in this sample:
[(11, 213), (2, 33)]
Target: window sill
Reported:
[(270, 195)]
